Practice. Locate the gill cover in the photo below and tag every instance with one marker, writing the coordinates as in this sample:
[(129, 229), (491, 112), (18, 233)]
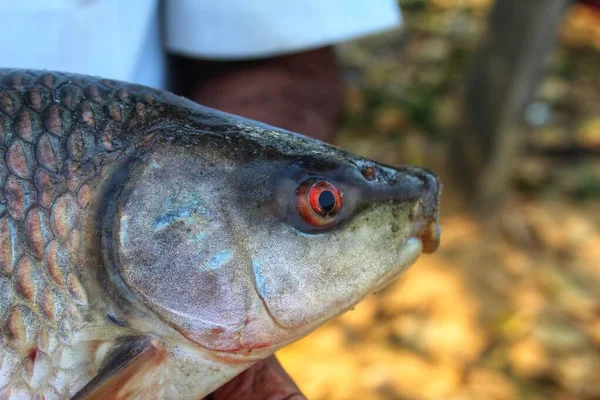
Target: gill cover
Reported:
[(177, 250)]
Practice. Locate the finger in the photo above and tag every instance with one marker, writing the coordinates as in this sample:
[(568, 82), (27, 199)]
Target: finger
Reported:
[(266, 380)]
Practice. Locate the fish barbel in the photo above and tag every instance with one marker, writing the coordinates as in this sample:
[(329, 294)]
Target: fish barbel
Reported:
[(152, 248)]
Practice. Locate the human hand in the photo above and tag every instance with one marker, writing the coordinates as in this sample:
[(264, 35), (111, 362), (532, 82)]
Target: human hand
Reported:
[(301, 92), (265, 380)]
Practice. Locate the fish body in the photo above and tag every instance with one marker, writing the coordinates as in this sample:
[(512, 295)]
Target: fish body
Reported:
[(151, 248)]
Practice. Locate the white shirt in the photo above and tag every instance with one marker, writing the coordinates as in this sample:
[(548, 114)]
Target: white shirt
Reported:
[(127, 39)]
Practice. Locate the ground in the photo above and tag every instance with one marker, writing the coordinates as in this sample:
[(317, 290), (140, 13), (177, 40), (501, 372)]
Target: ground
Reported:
[(509, 307)]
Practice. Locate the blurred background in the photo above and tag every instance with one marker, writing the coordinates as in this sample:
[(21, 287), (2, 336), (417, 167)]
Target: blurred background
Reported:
[(509, 307)]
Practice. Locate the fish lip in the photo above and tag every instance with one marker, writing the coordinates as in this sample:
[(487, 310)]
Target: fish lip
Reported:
[(429, 232)]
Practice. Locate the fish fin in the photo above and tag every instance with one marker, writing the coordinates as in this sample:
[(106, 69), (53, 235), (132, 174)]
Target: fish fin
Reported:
[(125, 371)]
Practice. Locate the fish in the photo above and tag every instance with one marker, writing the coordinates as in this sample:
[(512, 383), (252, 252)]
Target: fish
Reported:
[(153, 248)]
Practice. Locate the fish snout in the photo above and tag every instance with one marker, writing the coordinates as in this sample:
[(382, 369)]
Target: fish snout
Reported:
[(425, 215)]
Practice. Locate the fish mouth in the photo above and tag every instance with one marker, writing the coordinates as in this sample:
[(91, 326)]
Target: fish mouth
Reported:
[(428, 232)]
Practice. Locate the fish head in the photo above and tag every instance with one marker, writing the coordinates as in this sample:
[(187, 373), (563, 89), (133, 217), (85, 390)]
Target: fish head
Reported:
[(248, 240)]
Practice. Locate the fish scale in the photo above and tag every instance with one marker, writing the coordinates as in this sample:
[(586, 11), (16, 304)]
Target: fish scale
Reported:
[(53, 128)]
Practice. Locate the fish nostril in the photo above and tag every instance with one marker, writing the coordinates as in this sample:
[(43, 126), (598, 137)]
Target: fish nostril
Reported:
[(369, 173)]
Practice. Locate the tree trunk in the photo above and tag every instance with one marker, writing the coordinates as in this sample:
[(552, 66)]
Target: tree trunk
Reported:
[(504, 75)]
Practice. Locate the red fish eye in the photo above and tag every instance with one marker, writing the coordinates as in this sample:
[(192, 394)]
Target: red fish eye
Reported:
[(318, 202)]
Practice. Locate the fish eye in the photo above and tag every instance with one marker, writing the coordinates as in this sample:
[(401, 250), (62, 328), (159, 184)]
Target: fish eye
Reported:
[(318, 202)]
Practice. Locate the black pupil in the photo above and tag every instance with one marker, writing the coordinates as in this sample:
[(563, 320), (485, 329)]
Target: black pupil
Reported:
[(327, 201)]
